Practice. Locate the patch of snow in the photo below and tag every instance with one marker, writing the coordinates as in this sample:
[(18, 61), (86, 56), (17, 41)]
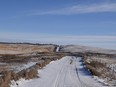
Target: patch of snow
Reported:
[(20, 67), (2, 63), (1, 75), (57, 49), (102, 81), (52, 62)]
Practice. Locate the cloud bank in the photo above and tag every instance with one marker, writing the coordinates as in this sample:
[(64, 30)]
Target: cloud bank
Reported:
[(97, 41)]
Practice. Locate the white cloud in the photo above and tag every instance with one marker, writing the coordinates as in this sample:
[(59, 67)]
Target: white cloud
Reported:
[(78, 9)]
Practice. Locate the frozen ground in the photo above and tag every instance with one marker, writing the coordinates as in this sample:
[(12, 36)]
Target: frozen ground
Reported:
[(66, 72)]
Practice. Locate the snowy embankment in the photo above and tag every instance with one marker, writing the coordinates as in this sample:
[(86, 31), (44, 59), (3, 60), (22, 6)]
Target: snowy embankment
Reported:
[(66, 72)]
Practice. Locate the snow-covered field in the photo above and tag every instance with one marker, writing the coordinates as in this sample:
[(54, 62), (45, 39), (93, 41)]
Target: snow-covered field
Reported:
[(78, 48), (66, 72)]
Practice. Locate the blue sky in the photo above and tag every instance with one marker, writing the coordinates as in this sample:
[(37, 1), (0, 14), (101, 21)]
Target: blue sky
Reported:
[(86, 22)]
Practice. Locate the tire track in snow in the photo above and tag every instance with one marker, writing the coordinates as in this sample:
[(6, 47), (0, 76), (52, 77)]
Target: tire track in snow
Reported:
[(83, 84), (72, 79), (76, 80), (57, 80), (65, 76), (77, 72)]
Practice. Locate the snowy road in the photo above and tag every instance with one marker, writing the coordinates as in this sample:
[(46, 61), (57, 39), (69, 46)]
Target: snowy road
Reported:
[(66, 72)]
